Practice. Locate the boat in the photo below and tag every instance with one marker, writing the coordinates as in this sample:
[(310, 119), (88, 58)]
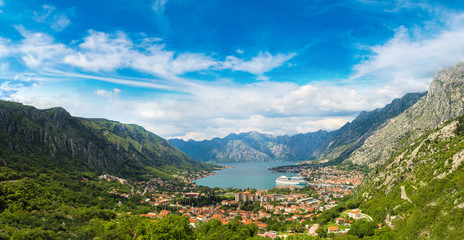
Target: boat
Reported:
[(297, 180)]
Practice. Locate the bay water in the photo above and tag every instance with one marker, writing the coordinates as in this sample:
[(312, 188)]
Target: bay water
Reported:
[(245, 175)]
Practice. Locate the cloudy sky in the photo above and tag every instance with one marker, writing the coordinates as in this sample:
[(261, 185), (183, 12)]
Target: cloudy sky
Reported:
[(204, 69)]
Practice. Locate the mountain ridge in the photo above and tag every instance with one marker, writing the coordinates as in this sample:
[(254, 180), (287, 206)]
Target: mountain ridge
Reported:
[(443, 101), (53, 139), (304, 146), (418, 192)]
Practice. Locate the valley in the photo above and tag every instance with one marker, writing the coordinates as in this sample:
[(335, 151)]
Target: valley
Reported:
[(391, 173)]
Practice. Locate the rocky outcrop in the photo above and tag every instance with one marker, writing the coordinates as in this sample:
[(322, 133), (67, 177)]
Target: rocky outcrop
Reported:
[(256, 147), (443, 101), (53, 139)]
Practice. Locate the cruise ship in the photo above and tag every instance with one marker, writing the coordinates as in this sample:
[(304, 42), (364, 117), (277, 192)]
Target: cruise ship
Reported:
[(297, 180)]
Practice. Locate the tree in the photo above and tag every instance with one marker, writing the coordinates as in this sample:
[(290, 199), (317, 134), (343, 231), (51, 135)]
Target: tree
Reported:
[(171, 227), (362, 228)]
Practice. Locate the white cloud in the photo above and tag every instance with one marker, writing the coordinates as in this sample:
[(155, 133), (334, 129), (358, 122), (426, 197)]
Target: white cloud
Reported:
[(269, 107), (109, 52), (257, 65), (39, 48), (57, 22), (5, 49), (101, 51), (158, 5), (108, 94), (408, 61), (42, 16), (60, 22), (212, 109), (163, 63)]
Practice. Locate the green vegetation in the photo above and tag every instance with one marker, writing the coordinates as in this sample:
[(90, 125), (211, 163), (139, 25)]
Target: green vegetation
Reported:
[(79, 206), (33, 140), (431, 174), (213, 229)]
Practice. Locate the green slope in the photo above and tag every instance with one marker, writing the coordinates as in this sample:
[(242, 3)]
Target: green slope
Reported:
[(51, 139), (422, 186)]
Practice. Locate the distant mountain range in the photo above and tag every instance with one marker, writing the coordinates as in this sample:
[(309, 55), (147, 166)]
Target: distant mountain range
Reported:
[(371, 139), (414, 148), (257, 147), (32, 139)]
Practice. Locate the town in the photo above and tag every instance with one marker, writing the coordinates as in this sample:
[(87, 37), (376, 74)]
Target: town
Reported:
[(281, 211)]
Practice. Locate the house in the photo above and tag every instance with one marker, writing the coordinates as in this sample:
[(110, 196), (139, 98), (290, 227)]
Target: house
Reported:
[(262, 225), (333, 229), (163, 213), (355, 214), (192, 221), (191, 194), (340, 220)]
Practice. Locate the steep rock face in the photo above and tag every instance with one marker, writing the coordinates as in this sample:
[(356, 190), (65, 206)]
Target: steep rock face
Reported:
[(352, 135), (443, 101), (243, 147), (254, 146), (422, 184), (301, 147), (238, 151), (53, 139)]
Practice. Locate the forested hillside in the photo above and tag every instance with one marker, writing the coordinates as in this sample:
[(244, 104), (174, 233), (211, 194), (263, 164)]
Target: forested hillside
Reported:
[(51, 139), (419, 192)]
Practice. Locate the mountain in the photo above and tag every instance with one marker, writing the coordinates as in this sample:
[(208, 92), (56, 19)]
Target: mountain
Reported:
[(255, 147), (419, 192), (353, 135), (416, 182), (52, 139), (243, 147), (444, 100)]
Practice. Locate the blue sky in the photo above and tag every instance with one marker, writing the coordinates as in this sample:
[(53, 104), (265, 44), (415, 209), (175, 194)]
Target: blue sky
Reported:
[(204, 69)]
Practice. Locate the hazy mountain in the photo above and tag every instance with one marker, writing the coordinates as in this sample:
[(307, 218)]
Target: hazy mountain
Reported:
[(53, 139), (243, 147), (253, 146), (352, 135)]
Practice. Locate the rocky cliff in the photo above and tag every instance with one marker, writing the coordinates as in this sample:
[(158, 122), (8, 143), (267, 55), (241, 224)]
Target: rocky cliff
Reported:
[(419, 192), (443, 101), (253, 146), (53, 139)]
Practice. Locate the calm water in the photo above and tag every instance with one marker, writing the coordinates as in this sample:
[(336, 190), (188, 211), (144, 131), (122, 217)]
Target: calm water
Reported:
[(245, 175)]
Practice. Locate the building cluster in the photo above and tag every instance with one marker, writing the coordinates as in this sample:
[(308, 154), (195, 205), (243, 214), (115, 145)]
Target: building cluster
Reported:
[(263, 196), (332, 175), (293, 211), (332, 191)]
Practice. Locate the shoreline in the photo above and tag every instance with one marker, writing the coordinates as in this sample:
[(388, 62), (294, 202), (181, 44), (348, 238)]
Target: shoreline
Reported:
[(256, 172)]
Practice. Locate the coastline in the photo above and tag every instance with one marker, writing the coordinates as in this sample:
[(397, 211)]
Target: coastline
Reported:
[(214, 172), (243, 175)]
